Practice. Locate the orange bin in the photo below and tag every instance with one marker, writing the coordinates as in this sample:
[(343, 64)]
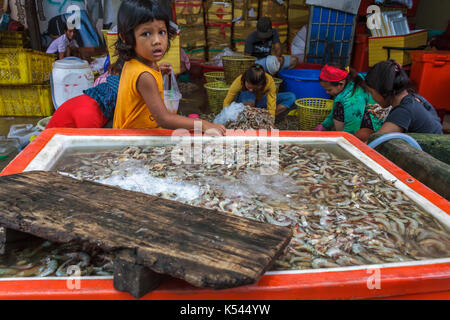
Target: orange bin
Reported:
[(360, 60), (430, 72)]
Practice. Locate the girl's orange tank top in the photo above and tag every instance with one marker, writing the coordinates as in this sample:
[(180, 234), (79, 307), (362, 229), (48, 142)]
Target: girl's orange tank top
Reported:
[(131, 111)]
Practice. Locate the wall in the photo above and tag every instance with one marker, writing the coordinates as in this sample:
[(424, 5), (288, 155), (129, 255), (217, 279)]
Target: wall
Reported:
[(433, 14)]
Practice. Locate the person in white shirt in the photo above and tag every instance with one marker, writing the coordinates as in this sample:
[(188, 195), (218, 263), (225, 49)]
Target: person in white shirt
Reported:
[(65, 45)]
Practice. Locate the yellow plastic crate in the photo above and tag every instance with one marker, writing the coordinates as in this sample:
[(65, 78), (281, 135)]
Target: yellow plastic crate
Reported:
[(242, 29), (195, 53), (24, 66), (12, 39), (412, 40), (239, 46), (274, 10), (219, 11), (28, 100), (192, 37), (173, 55), (242, 9), (282, 29), (189, 12)]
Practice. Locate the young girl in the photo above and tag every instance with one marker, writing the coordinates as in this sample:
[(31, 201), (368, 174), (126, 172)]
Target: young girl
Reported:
[(349, 112), (94, 108), (256, 88), (144, 33), (389, 85)]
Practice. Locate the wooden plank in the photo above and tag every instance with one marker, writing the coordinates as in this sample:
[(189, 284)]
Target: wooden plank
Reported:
[(207, 248), (436, 145), (2, 239), (8, 236), (133, 278)]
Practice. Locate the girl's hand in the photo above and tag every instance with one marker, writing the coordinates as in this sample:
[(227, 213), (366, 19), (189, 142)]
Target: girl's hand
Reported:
[(213, 128), (166, 68), (320, 127)]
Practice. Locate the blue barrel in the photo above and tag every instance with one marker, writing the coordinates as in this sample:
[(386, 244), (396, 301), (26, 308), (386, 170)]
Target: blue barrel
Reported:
[(304, 83)]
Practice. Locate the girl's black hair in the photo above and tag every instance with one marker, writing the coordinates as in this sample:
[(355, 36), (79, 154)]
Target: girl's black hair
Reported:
[(352, 76), (133, 13), (388, 79), (254, 75), (116, 67)]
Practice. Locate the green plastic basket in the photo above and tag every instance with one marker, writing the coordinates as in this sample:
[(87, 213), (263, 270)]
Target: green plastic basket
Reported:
[(216, 92), (312, 111), (214, 76), (278, 82), (234, 66)]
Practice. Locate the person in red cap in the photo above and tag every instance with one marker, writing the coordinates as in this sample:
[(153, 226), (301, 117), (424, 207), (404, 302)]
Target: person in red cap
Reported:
[(351, 104)]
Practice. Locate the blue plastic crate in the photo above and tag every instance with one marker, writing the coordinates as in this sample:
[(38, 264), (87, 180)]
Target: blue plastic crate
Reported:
[(330, 36)]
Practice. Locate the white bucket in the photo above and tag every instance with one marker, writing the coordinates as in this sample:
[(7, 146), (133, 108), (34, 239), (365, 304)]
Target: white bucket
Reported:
[(172, 100), (70, 76)]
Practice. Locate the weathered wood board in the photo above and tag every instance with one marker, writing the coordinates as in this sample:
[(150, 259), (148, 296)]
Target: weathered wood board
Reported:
[(9, 236), (207, 248), (434, 173), (436, 145)]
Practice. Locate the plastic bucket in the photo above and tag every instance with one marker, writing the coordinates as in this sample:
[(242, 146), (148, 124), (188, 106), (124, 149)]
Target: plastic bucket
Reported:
[(172, 100), (304, 83), (207, 68), (70, 76), (43, 123)]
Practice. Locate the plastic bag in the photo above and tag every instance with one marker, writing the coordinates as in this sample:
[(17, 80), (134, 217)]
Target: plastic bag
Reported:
[(217, 60), (230, 113), (4, 21), (299, 43), (172, 94), (23, 133), (98, 65), (8, 147)]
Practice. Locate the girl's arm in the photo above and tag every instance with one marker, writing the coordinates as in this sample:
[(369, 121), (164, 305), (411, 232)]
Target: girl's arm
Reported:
[(147, 87), (272, 97), (328, 123), (234, 89), (390, 127)]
